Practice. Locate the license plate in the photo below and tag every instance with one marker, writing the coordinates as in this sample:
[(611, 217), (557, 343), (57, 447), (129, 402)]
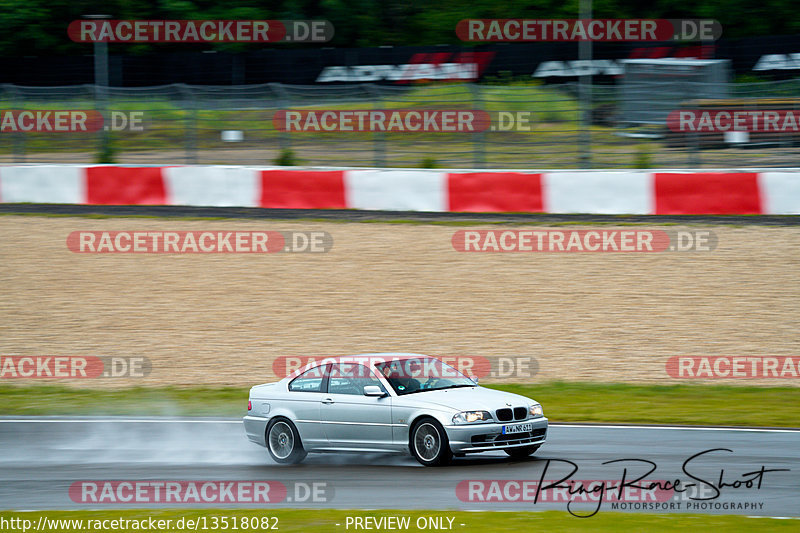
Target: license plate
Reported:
[(517, 428)]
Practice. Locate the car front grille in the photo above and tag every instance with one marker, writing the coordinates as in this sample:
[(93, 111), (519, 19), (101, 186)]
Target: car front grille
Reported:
[(494, 441), (504, 415), (507, 415)]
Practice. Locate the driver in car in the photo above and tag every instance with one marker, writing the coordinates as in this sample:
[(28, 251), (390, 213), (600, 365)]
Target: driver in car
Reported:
[(401, 380)]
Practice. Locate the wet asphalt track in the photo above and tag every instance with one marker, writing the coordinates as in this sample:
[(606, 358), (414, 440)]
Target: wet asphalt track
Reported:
[(41, 457)]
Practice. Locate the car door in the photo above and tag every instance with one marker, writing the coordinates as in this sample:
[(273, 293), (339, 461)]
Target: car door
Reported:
[(305, 393), (350, 419)]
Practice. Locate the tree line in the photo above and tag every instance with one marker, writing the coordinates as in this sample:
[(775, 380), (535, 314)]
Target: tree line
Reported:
[(39, 27)]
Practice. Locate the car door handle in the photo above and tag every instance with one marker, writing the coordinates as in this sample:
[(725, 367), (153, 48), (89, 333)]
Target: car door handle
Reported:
[(327, 401)]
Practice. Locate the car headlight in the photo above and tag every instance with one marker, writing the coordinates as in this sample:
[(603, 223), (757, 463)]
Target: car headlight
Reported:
[(536, 410), (471, 417)]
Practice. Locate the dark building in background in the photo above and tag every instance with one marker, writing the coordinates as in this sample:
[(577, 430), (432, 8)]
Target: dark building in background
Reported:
[(776, 57)]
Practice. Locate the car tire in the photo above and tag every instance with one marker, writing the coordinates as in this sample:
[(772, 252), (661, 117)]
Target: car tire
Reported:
[(283, 442), (429, 444), (521, 452)]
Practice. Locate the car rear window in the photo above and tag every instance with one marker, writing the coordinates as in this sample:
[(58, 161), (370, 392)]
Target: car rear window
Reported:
[(309, 381)]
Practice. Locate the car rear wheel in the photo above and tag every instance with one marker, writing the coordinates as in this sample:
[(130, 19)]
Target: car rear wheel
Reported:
[(429, 444), (283, 442), (521, 452)]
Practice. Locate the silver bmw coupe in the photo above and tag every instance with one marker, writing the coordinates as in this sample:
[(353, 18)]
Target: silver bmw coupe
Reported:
[(390, 402)]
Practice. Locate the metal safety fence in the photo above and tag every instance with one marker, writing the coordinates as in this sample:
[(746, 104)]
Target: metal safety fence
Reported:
[(523, 125)]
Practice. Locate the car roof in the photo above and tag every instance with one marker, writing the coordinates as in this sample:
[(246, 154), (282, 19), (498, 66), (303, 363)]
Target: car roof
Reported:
[(384, 354), (377, 355), (362, 358)]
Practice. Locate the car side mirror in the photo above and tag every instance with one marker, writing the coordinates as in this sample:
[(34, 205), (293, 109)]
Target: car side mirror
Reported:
[(475, 379), (373, 390)]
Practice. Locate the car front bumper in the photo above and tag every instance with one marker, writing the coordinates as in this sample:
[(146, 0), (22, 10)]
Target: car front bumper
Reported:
[(472, 438)]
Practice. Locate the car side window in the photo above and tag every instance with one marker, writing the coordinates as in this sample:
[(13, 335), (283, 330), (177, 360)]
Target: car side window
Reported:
[(350, 378), (309, 381)]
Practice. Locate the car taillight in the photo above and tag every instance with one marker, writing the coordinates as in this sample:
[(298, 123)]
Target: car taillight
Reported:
[(249, 405)]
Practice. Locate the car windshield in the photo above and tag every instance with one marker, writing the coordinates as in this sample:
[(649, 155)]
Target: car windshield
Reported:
[(421, 374)]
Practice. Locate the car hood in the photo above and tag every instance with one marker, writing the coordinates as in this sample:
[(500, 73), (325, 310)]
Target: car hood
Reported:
[(467, 399)]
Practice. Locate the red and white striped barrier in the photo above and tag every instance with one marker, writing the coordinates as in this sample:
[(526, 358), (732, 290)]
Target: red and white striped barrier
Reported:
[(582, 191)]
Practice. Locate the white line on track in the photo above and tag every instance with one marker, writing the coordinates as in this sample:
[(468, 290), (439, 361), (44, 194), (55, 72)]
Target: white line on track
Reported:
[(114, 421), (688, 428), (123, 420)]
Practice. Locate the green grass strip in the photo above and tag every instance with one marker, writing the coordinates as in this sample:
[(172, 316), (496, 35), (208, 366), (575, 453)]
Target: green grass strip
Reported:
[(564, 402), (694, 404)]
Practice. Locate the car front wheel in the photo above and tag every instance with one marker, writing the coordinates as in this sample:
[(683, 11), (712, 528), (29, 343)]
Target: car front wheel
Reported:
[(283, 442), (429, 444)]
